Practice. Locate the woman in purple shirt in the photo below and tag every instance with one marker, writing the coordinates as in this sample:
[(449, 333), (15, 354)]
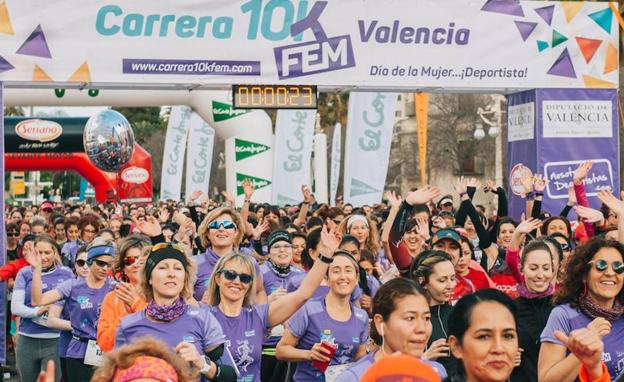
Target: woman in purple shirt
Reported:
[(401, 323), (39, 326), (231, 293), (332, 321), (174, 317), (83, 299)]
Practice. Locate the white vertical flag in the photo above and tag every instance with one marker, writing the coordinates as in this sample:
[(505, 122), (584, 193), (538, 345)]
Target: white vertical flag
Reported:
[(294, 132), (335, 163), (199, 155), (367, 150), (173, 157)]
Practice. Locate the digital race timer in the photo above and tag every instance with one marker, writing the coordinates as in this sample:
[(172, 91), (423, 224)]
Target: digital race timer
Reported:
[(274, 96)]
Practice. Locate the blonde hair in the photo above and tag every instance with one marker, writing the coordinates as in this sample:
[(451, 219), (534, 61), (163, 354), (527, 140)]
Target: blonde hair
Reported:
[(190, 276), (214, 293), (124, 358), (45, 238), (212, 216), (372, 241)]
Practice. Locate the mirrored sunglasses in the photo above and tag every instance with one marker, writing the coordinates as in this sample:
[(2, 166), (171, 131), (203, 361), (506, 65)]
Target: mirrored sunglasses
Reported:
[(227, 224), (601, 266)]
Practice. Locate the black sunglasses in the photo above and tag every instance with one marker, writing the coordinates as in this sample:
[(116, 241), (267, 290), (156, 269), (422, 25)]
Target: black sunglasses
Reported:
[(99, 263), (13, 234), (232, 275), (601, 266), (81, 263)]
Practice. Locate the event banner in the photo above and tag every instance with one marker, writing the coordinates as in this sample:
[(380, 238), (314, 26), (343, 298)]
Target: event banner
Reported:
[(552, 131), (3, 259), (294, 134), (335, 163), (249, 157), (459, 43), (367, 150), (173, 156), (199, 155)]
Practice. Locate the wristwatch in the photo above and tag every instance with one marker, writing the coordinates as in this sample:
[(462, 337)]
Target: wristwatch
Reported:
[(207, 366), (325, 259)]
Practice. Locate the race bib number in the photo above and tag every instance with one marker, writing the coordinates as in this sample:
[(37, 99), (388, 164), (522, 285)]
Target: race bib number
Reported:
[(94, 355), (41, 320), (334, 371)]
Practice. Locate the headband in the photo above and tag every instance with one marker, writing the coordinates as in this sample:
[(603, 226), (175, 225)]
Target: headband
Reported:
[(100, 250), (355, 218), (155, 257), (147, 367)]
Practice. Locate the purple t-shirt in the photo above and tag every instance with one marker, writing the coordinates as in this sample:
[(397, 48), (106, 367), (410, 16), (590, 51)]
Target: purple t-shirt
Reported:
[(295, 282), (566, 319), (272, 282), (49, 281), (197, 325), (205, 265), (312, 324), (245, 335), (84, 305), (357, 370)]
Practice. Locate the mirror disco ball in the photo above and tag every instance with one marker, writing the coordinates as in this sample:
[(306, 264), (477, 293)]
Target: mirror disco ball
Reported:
[(108, 140)]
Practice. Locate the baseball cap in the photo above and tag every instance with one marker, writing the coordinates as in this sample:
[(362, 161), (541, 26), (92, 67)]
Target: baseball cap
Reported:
[(446, 233), (47, 205), (400, 368)]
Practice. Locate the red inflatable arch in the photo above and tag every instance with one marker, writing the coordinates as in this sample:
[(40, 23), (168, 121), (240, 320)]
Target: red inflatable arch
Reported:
[(134, 183)]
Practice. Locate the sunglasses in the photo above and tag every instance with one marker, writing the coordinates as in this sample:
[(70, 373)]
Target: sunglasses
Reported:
[(565, 247), (13, 234), (601, 266), (160, 246), (130, 260), (232, 275), (81, 263), (227, 224), (100, 263)]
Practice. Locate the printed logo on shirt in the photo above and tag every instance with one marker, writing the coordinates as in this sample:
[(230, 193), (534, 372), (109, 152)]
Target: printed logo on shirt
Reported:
[(355, 339), (250, 333), (189, 339), (193, 312), (606, 357), (84, 302), (243, 355)]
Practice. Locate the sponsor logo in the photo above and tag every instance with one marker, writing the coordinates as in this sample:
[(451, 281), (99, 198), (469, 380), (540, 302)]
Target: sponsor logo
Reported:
[(38, 130), (283, 200), (257, 182), (135, 174), (324, 54), (224, 111), (245, 149), (360, 188), (518, 173)]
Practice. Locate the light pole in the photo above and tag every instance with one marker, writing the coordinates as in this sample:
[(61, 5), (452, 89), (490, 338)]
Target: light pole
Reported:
[(494, 131)]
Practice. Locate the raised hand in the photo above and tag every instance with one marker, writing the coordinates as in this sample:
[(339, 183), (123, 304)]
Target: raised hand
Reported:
[(195, 195), (540, 183), (31, 256), (462, 186), (149, 227), (473, 182), (616, 205), (528, 226), (163, 215), (330, 241), (127, 293), (422, 196), (248, 188), (307, 194), (571, 196), (589, 215), (393, 199), (259, 229), (581, 172), (422, 228), (490, 186)]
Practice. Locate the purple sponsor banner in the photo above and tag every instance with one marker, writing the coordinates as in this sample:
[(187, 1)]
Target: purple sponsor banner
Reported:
[(575, 125), (3, 291), (520, 149), (314, 57), (199, 67)]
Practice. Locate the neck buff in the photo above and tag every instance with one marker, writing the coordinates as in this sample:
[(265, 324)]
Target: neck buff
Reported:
[(165, 313), (593, 310), (526, 293)]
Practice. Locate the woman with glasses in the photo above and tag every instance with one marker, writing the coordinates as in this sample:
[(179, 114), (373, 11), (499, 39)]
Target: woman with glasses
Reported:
[(38, 339), (231, 295), (89, 226), (126, 298), (221, 233), (326, 335), (83, 299), (12, 231), (172, 316), (591, 295)]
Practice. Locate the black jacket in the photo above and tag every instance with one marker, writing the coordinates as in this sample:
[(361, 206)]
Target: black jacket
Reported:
[(439, 323), (532, 315)]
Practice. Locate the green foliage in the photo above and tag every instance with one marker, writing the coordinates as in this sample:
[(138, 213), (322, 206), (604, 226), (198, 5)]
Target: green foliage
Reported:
[(145, 121)]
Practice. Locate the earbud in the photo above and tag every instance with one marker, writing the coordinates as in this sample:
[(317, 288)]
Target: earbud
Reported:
[(382, 329)]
